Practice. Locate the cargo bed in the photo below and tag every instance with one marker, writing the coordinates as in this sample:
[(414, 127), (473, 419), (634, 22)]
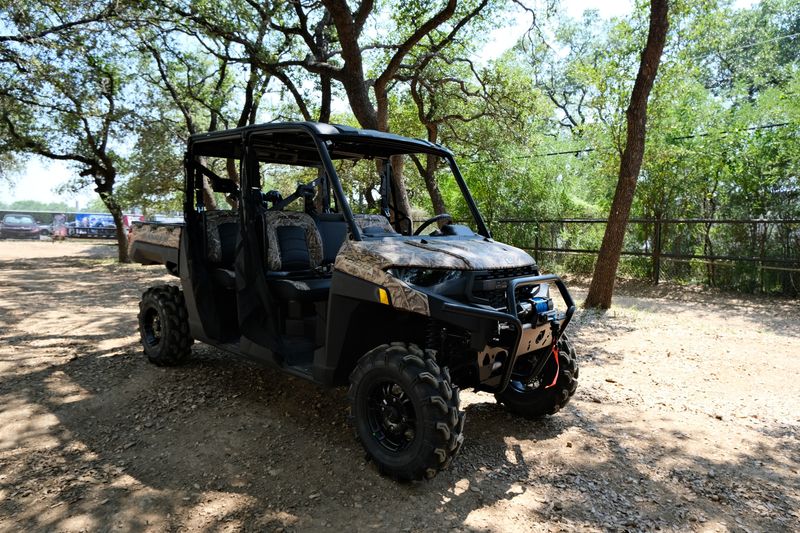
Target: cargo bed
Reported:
[(155, 243)]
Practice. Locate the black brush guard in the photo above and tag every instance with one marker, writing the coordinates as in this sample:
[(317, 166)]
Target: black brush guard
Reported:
[(513, 319)]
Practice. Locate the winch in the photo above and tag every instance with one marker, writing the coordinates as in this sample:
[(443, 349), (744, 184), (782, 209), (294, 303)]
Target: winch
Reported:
[(538, 308)]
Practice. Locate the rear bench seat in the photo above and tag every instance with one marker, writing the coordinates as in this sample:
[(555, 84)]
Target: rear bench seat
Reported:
[(221, 231)]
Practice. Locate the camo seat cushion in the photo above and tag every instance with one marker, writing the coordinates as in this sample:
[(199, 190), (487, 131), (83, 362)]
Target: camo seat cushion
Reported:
[(221, 229), (373, 221), (293, 242)]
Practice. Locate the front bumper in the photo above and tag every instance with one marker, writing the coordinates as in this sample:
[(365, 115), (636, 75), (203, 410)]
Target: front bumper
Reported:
[(496, 363), (19, 233)]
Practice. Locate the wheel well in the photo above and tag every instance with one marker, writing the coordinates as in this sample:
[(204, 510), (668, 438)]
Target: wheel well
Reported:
[(371, 325)]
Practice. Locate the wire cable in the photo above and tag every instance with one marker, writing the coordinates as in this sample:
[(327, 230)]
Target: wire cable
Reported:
[(593, 149)]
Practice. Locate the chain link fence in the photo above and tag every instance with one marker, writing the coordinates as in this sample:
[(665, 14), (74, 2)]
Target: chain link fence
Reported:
[(752, 255)]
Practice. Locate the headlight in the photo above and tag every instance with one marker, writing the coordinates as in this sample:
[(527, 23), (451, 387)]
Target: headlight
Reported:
[(424, 277)]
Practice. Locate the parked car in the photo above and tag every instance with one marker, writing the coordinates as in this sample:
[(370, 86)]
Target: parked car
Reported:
[(16, 226), (45, 230)]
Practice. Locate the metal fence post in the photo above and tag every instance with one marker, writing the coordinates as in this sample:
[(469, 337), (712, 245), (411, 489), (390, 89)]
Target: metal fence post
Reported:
[(536, 244), (657, 251)]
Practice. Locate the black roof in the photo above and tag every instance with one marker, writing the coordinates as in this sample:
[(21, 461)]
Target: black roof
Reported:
[(335, 132)]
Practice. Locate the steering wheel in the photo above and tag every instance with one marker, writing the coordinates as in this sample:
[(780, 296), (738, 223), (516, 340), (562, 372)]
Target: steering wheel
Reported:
[(431, 220)]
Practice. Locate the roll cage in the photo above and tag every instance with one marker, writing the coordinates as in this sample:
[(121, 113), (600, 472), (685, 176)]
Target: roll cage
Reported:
[(306, 144)]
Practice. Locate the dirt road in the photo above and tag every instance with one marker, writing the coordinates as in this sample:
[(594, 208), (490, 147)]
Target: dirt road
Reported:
[(686, 418)]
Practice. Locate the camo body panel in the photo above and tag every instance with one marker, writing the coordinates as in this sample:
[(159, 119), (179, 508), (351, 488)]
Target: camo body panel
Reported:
[(435, 252), (214, 219), (275, 219), (359, 261)]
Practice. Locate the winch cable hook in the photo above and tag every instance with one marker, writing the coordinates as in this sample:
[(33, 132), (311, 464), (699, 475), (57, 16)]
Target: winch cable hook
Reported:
[(554, 325)]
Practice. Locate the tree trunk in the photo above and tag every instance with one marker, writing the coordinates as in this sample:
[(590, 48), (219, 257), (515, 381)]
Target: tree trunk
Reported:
[(429, 175), (352, 74), (437, 200), (105, 191), (710, 211), (605, 270), (325, 99), (369, 199), (708, 249), (402, 203), (208, 196), (233, 174), (209, 201)]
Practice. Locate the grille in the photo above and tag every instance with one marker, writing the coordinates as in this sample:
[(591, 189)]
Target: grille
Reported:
[(503, 273), (497, 297)]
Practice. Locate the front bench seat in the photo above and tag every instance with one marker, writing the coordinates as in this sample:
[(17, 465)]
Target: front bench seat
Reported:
[(334, 230), (373, 224), (301, 290), (294, 247)]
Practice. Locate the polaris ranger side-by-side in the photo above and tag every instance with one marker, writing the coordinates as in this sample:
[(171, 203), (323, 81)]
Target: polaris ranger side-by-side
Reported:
[(324, 277)]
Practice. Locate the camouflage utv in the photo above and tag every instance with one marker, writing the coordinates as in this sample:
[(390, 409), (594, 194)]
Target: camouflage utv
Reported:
[(320, 272)]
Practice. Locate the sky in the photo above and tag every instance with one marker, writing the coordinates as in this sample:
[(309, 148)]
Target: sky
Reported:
[(39, 178)]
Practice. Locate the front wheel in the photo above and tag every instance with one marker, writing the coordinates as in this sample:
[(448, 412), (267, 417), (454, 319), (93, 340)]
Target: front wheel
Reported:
[(164, 325), (405, 411), (547, 393)]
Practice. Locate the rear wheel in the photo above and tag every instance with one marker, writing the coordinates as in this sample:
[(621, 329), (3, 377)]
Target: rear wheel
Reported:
[(547, 393), (405, 411), (164, 325)]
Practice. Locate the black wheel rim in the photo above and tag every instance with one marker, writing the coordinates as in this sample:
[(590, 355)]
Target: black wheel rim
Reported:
[(391, 416), (531, 383), (152, 327)]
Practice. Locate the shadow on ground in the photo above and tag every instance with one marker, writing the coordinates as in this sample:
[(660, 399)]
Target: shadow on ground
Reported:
[(215, 443)]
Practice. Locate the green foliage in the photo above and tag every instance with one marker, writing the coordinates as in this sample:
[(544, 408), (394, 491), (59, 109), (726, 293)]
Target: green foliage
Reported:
[(96, 205), (34, 205), (10, 165), (154, 170), (62, 91), (537, 132), (723, 127)]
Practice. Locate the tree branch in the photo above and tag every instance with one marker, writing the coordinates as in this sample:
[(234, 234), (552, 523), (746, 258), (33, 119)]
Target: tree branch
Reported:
[(107, 12), (427, 27)]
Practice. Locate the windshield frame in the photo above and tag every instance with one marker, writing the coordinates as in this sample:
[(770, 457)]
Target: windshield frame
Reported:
[(403, 147)]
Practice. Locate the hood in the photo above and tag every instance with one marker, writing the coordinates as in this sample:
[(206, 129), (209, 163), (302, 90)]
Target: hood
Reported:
[(459, 253), (369, 259)]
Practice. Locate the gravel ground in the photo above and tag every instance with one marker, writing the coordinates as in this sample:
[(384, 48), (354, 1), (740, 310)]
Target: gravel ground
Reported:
[(686, 418)]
